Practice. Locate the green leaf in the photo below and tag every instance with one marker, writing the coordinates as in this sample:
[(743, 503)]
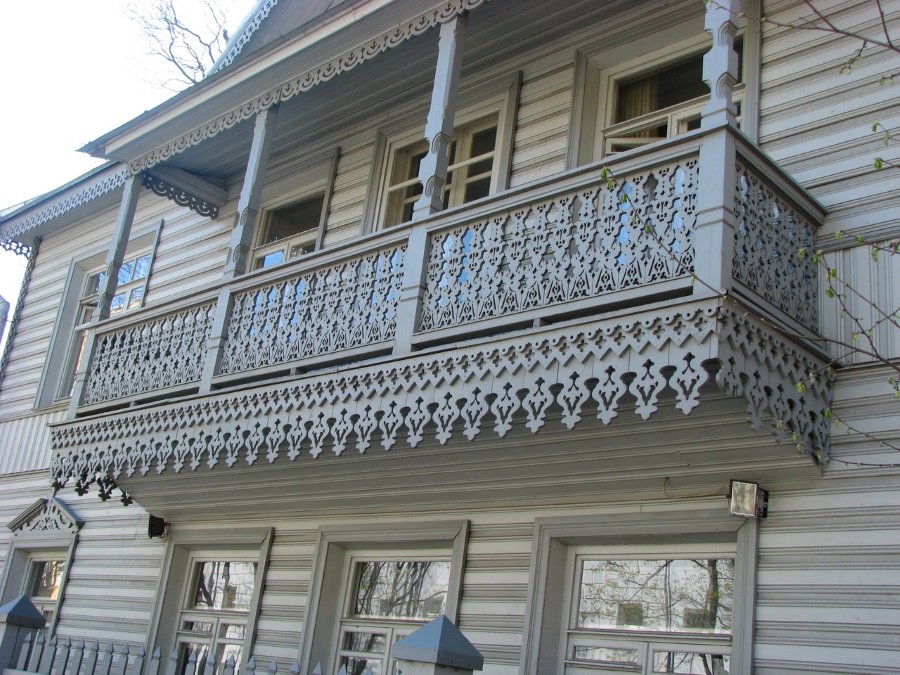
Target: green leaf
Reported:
[(800, 387), (879, 163), (839, 235)]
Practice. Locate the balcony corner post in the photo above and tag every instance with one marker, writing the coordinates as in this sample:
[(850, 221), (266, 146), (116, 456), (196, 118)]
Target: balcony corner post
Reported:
[(439, 127), (119, 243), (714, 235), (720, 64), (218, 335), (81, 373), (412, 290), (251, 194)]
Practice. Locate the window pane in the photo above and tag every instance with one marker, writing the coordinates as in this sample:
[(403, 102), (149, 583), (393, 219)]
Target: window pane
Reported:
[(692, 663), (224, 585), (357, 666), (675, 84), (125, 272), (192, 659), (609, 655), (401, 589), (134, 299), (47, 577), (142, 267), (293, 219), (670, 595), (483, 141), (117, 304), (364, 642)]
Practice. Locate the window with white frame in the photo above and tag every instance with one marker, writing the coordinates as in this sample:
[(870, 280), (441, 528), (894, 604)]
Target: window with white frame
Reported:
[(656, 96), (387, 599), (669, 592), (650, 610), (289, 231), (214, 612), (374, 585), (471, 173)]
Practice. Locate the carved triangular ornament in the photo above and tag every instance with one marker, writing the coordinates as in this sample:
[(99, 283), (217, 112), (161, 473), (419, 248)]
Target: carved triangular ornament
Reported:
[(46, 516)]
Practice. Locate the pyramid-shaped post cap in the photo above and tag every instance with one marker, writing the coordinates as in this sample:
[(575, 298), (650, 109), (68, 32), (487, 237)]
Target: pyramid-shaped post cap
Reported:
[(441, 643), (22, 612)]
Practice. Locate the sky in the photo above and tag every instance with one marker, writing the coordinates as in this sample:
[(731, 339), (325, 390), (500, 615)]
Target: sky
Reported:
[(70, 71)]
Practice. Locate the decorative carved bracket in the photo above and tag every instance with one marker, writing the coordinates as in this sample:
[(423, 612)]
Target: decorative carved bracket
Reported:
[(186, 189), (585, 369), (44, 516)]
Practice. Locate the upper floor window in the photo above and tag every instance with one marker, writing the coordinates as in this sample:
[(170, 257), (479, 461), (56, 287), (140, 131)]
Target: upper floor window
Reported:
[(131, 286), (470, 175), (655, 97), (289, 231)]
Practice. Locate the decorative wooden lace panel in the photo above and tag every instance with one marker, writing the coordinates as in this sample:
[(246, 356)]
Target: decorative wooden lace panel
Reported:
[(163, 352), (768, 233), (350, 304), (592, 369), (597, 240)]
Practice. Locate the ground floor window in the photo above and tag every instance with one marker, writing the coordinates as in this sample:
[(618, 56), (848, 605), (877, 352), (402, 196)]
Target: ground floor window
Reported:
[(651, 613), (46, 572), (649, 593), (213, 620), (388, 599)]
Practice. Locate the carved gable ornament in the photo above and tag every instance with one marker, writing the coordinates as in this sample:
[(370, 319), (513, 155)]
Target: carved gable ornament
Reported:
[(46, 516), (589, 369)]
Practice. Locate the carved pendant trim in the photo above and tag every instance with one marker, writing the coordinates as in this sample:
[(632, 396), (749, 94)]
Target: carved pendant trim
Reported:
[(587, 369)]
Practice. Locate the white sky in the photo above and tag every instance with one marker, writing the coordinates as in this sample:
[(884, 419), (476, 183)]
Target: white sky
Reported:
[(70, 71)]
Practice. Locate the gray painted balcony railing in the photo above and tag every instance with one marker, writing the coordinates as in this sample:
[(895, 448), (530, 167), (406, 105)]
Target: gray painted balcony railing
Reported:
[(698, 215)]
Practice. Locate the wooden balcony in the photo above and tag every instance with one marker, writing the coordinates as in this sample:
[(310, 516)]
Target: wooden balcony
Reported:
[(702, 225)]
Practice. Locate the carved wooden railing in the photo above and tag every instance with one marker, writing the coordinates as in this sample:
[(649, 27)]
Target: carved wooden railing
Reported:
[(694, 216), (769, 231), (604, 237), (159, 353), (349, 304)]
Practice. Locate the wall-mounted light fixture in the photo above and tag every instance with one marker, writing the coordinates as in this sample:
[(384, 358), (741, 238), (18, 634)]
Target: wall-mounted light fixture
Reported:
[(747, 500), (156, 527)]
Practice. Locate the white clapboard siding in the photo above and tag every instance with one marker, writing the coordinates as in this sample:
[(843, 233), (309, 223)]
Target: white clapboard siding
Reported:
[(817, 122), (26, 442)]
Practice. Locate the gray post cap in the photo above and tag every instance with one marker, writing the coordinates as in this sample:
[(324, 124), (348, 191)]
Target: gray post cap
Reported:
[(441, 643), (22, 612)]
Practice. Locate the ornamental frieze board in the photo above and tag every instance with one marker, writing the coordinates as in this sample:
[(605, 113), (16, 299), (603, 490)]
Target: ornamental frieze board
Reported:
[(19, 227), (309, 79), (586, 369), (46, 516)]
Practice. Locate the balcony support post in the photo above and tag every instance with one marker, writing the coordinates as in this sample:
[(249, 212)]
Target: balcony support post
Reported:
[(116, 253), (720, 64), (107, 291), (412, 290), (218, 334), (251, 194), (439, 127), (714, 234)]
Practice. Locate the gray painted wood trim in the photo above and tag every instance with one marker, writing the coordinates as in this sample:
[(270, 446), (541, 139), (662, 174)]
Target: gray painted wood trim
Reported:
[(506, 134), (174, 575), (584, 110), (376, 179), (752, 66), (329, 193), (334, 545)]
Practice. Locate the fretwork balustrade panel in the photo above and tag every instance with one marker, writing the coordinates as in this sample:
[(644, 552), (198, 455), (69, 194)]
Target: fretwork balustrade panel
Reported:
[(163, 352), (768, 234), (611, 236), (347, 305)]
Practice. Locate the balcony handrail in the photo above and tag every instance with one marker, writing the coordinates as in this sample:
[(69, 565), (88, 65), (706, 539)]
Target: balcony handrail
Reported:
[(289, 293), (665, 150)]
